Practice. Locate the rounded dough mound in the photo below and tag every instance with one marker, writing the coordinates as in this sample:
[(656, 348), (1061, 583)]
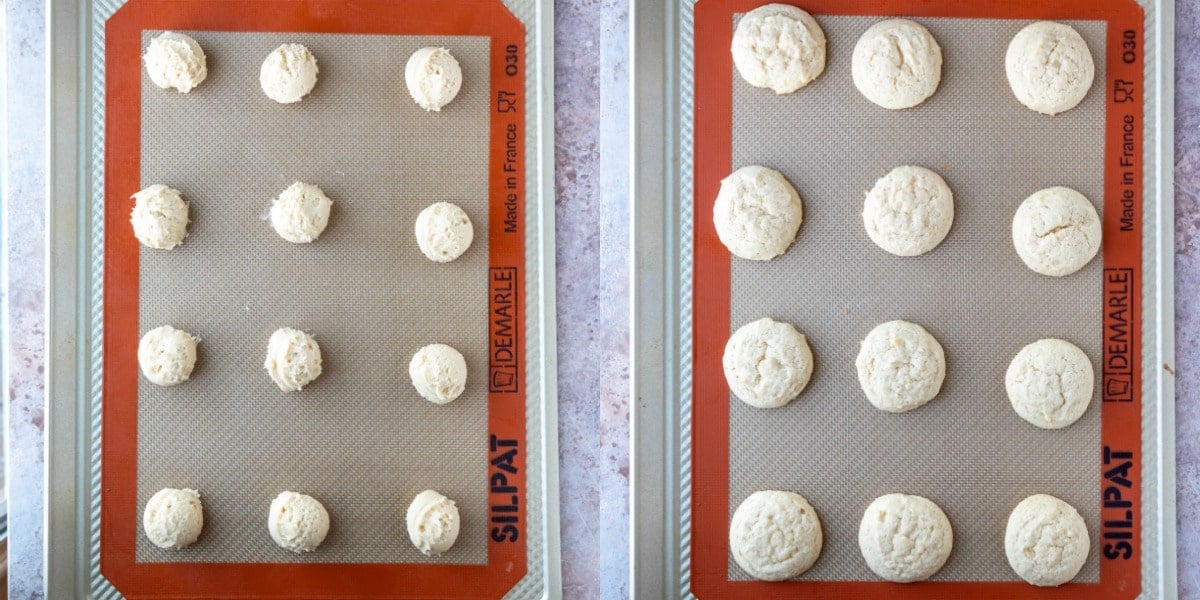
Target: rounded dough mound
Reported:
[(757, 213), (897, 64), (444, 232), (293, 359), (900, 366), (909, 211), (160, 217), (433, 523), (1056, 231), (175, 60), (1049, 383), (778, 46), (905, 538), (1049, 67), (167, 355), (433, 77), (1046, 540), (288, 74), (767, 363), (297, 522), (300, 213), (439, 373), (173, 518), (775, 535)]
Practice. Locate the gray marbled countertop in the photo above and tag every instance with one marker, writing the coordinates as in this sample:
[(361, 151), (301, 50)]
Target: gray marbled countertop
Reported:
[(592, 208)]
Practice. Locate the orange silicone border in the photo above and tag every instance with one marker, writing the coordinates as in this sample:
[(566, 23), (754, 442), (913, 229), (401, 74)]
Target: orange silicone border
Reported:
[(1121, 419), (506, 563)]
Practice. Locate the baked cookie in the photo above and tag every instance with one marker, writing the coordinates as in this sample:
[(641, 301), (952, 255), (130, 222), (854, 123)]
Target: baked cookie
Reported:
[(900, 366), (778, 46), (897, 64), (905, 538), (775, 535), (1046, 541), (757, 213), (1049, 67), (1049, 383), (1056, 231), (909, 211), (767, 363)]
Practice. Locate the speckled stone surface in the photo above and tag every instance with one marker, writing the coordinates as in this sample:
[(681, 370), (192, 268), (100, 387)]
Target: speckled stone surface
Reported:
[(591, 86), (591, 74), (1187, 293)]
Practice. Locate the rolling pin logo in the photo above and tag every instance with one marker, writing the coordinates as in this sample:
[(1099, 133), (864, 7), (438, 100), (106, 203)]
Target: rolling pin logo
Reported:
[(503, 326)]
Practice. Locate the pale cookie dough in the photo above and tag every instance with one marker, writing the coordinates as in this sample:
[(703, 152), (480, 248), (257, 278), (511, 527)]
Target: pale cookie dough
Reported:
[(297, 522), (300, 213), (444, 231), (288, 74), (433, 77), (439, 373), (775, 535), (778, 46), (1049, 67), (1056, 231), (293, 359), (757, 213), (900, 366), (767, 363), (173, 518), (909, 211), (1049, 383), (905, 538), (1046, 541), (167, 355), (160, 217), (897, 64), (175, 60), (433, 523)]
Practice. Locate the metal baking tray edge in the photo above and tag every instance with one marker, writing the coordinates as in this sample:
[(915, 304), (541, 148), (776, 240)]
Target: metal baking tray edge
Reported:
[(661, 241), (75, 216)]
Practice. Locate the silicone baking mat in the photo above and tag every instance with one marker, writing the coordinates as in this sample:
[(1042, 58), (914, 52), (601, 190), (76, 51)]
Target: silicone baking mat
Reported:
[(359, 438), (966, 450)]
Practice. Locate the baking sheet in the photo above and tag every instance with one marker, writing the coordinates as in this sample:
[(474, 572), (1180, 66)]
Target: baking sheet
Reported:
[(359, 438), (967, 450)]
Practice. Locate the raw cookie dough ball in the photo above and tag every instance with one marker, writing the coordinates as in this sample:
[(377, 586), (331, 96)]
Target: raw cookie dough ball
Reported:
[(300, 213), (293, 359), (897, 64), (1056, 231), (757, 213), (160, 217), (439, 373), (775, 535), (900, 366), (288, 74), (167, 355), (444, 231), (1046, 541), (175, 60), (767, 363), (778, 46), (905, 538), (1049, 67), (909, 211), (297, 522), (433, 77), (1049, 383), (433, 523), (173, 518)]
